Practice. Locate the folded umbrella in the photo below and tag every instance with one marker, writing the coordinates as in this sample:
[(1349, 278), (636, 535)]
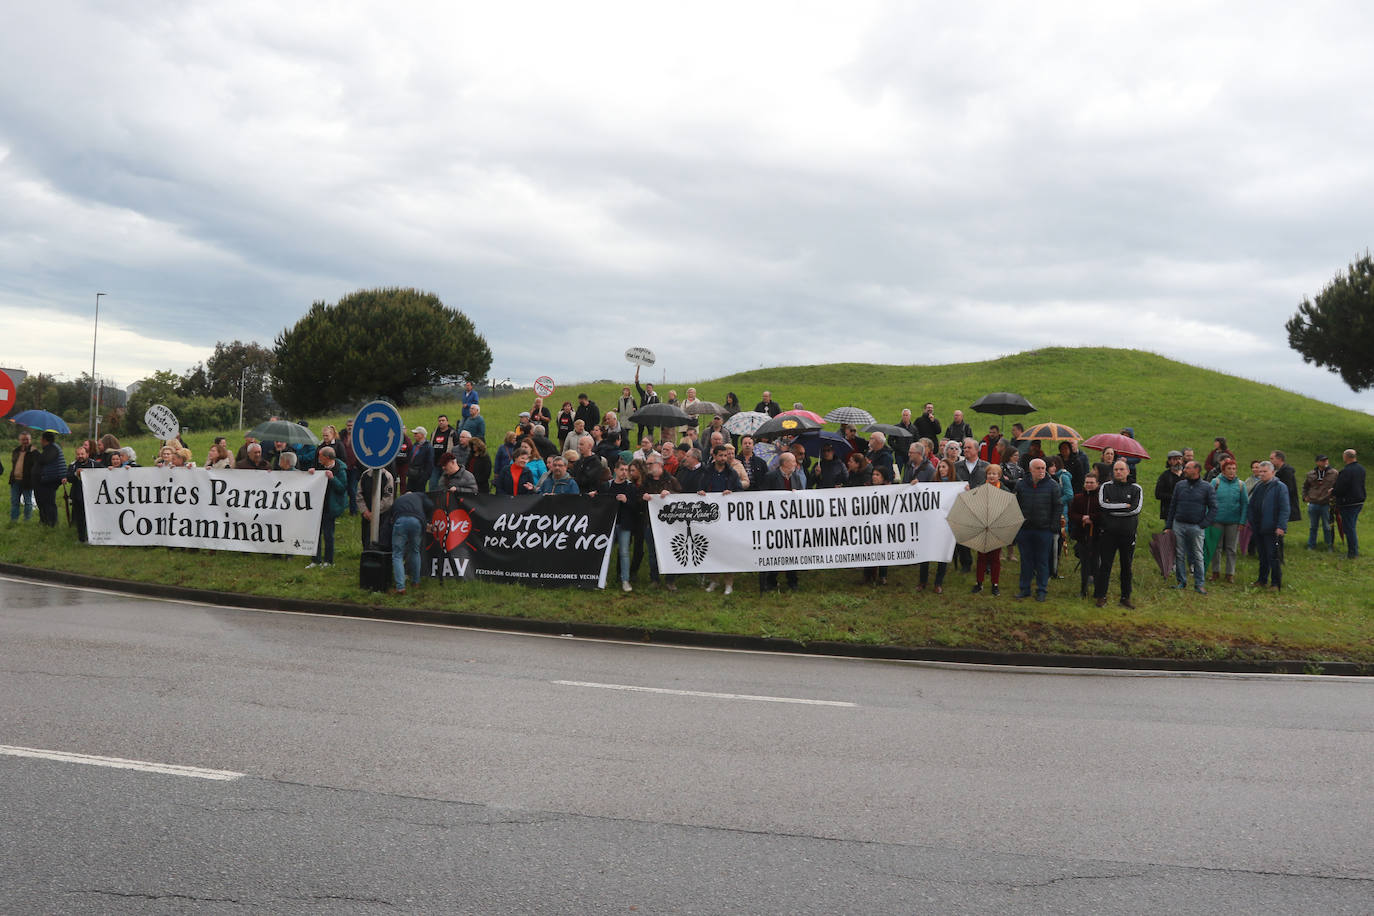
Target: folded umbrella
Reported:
[(985, 518), (1162, 549)]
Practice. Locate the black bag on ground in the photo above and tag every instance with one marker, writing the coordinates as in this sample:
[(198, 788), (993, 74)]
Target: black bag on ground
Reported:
[(374, 570)]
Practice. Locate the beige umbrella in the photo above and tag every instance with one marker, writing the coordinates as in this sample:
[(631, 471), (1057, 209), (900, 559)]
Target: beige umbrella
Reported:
[(985, 518)]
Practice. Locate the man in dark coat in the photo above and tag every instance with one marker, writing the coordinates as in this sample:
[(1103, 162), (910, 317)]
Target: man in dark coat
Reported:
[(587, 412), (787, 476), (1267, 513), (768, 405), (1041, 500), (1348, 497), (1285, 474), (927, 427), (52, 470)]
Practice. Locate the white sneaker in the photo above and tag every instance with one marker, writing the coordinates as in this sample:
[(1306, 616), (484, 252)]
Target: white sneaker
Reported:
[(710, 586), (729, 589), (625, 587), (313, 565)]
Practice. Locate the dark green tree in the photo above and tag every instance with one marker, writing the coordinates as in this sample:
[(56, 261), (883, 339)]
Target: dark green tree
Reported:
[(390, 342), (1336, 330), (238, 364)]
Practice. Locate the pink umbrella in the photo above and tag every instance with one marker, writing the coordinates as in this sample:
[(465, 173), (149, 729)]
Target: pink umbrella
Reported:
[(1124, 446), (809, 414)]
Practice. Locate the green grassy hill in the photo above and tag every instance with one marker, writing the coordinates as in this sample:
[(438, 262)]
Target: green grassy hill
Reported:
[(1094, 390)]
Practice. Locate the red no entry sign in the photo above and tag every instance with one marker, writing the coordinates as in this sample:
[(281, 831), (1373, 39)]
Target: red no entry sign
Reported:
[(543, 386), (7, 394)]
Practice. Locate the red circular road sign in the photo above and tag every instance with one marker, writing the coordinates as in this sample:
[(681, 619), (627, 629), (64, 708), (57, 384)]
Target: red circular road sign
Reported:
[(543, 386), (7, 393)]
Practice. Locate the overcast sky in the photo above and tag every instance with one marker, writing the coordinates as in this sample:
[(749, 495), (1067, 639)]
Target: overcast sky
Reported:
[(728, 184)]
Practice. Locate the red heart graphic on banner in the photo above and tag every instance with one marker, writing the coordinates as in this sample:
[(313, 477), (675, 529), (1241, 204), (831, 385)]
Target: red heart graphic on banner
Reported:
[(459, 527)]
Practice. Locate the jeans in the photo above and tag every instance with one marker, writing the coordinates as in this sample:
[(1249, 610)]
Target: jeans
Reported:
[(1270, 559), (1350, 515), (20, 495), (1188, 553), (622, 540), (1320, 515), (405, 550), (1035, 545), (324, 553)]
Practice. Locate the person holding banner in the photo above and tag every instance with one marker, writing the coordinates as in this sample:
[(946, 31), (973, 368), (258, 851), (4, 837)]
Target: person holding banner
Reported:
[(944, 473), (626, 495), (721, 477), (656, 486), (516, 479), (787, 476), (335, 504), (882, 476)]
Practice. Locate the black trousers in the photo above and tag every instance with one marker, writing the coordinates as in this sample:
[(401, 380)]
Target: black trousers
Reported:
[(45, 495), (1109, 544)]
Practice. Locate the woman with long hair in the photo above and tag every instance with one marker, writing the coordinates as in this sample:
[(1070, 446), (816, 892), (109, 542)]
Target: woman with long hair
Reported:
[(944, 473)]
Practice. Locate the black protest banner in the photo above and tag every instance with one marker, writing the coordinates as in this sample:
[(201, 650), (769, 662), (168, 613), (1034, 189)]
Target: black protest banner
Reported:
[(552, 541)]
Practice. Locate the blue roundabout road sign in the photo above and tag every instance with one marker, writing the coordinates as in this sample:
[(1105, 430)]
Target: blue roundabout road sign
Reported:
[(377, 433)]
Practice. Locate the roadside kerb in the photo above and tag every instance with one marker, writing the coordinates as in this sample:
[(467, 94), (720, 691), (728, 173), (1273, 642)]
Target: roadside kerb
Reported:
[(691, 638)]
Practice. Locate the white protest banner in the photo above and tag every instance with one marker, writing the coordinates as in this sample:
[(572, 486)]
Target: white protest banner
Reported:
[(161, 422), (249, 511), (804, 529), (640, 356)]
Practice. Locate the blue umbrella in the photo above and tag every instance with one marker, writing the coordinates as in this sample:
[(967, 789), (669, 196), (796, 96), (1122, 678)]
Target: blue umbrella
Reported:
[(815, 440), (42, 420)]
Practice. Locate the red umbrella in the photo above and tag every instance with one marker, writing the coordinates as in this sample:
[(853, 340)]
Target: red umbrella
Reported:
[(809, 414), (1124, 446)]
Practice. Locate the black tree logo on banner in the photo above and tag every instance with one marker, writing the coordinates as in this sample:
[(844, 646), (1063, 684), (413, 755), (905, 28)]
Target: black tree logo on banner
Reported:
[(689, 548)]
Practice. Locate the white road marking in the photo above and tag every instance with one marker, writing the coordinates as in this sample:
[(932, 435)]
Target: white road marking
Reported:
[(702, 693), (166, 769)]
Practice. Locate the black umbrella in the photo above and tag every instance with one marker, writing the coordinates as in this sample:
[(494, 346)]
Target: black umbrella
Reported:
[(785, 425), (283, 431), (661, 415), (1003, 403), (889, 430)]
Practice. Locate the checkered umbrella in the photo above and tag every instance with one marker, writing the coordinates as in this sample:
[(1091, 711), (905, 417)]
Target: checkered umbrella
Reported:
[(851, 415)]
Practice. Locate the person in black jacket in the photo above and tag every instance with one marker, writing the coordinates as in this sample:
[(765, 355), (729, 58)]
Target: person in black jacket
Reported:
[(927, 427), (768, 405), (1120, 502), (1284, 473), (1347, 495), (587, 412), (52, 470), (1041, 500)]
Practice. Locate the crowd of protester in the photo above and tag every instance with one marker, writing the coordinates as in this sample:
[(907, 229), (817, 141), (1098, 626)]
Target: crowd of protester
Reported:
[(1070, 504)]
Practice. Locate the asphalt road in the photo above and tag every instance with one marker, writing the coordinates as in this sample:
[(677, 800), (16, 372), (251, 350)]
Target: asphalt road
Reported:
[(391, 768)]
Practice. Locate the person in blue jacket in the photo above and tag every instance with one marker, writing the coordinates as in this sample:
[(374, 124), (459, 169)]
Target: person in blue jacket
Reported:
[(1268, 516)]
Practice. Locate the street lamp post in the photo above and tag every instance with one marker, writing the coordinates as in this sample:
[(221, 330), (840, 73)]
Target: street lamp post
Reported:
[(95, 335), (243, 381)]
